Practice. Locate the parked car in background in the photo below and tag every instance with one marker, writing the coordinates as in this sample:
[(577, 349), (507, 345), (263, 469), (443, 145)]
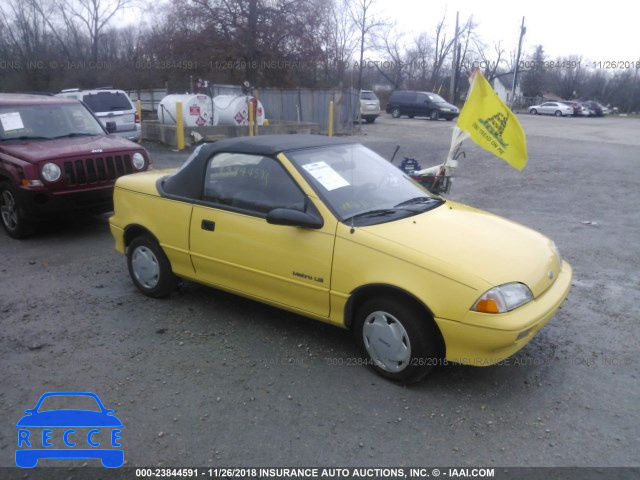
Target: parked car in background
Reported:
[(577, 106), (595, 107), (420, 104), (56, 158), (558, 109), (110, 106), (369, 106), (585, 111)]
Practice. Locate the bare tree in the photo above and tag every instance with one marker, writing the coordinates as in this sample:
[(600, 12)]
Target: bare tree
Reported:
[(93, 16), (567, 81), (490, 62), (366, 22), (339, 39), (418, 59), (390, 43)]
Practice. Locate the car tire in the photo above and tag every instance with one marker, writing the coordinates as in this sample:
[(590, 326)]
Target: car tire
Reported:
[(12, 214), (370, 119), (395, 113), (558, 113), (533, 111), (401, 341), (149, 267), (434, 115)]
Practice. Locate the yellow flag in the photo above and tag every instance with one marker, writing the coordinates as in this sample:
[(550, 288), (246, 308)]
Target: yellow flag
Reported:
[(491, 124)]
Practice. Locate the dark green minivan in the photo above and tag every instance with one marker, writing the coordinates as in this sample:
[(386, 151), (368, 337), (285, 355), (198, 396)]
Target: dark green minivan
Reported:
[(420, 104)]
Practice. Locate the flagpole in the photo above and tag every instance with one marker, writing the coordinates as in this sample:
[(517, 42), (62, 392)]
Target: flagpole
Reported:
[(523, 30)]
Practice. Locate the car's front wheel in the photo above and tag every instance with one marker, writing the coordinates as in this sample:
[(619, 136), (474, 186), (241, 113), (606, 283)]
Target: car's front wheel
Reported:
[(533, 111), (395, 113), (558, 113), (401, 340), (13, 218), (149, 267), (434, 115)]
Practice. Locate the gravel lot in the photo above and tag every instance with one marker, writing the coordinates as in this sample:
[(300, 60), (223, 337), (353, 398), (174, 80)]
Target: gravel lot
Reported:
[(207, 379)]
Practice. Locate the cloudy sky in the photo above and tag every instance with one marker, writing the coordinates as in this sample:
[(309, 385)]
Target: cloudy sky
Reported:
[(600, 32)]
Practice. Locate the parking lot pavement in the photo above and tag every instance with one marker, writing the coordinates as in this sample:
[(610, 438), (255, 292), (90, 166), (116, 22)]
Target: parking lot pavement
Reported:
[(204, 378)]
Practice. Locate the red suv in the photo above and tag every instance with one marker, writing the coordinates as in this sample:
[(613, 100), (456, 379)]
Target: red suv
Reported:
[(56, 158)]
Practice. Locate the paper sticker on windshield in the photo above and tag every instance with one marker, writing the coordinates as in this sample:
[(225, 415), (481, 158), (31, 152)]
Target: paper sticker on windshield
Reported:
[(327, 176), (11, 121)]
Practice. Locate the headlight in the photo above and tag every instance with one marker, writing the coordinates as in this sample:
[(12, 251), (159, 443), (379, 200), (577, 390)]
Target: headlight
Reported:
[(51, 172), (503, 298), (138, 161)]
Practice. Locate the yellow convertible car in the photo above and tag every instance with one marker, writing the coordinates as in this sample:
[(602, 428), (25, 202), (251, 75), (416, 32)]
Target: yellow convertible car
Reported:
[(330, 230)]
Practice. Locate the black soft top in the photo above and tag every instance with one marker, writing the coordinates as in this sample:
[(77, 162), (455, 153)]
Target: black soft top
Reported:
[(187, 183)]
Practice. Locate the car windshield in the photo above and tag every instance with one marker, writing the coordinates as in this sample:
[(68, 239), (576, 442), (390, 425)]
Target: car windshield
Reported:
[(47, 121), (107, 101), (436, 98), (65, 402), (361, 187), (368, 96)]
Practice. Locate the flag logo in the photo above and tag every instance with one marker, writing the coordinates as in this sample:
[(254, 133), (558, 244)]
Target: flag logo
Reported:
[(488, 122)]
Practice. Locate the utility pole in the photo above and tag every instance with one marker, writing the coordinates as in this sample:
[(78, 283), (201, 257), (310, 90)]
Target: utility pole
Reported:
[(454, 65), (523, 30)]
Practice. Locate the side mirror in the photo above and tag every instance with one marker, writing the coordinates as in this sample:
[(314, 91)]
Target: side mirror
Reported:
[(111, 127), (294, 218)]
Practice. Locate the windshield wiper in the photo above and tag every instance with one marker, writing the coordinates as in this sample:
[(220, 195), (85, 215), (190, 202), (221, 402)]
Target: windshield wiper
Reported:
[(26, 137), (418, 200), (380, 212), (74, 134)]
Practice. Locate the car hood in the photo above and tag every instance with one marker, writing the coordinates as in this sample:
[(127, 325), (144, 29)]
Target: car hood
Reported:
[(69, 418), (39, 150), (462, 242)]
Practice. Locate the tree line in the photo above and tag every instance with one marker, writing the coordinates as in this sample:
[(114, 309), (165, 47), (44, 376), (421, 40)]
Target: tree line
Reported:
[(48, 45)]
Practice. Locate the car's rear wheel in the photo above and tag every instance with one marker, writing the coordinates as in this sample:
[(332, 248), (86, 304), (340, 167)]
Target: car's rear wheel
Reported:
[(533, 111), (150, 268), (434, 115), (395, 113), (558, 113), (400, 339), (13, 218)]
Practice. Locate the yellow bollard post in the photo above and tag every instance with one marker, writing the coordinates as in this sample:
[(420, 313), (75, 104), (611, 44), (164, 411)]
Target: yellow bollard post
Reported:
[(179, 126), (251, 119), (139, 113), (330, 128)]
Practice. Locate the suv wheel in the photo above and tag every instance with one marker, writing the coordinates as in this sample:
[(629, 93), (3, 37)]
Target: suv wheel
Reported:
[(395, 113), (434, 115), (13, 219)]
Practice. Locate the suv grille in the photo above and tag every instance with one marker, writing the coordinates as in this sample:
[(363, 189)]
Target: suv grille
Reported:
[(95, 170)]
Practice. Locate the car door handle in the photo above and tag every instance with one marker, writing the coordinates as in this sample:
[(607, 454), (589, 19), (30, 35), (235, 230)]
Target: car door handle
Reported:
[(208, 225)]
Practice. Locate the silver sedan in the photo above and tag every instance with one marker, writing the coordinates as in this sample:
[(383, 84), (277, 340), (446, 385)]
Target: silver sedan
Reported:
[(551, 108)]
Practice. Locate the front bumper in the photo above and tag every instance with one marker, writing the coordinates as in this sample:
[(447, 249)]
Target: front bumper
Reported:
[(42, 204), (486, 339)]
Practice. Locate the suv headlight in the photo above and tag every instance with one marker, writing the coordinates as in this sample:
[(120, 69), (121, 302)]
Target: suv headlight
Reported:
[(51, 172), (503, 298), (138, 161)]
